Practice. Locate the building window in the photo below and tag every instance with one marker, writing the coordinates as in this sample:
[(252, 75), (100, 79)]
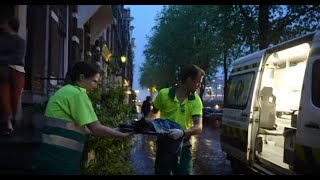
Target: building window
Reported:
[(58, 28)]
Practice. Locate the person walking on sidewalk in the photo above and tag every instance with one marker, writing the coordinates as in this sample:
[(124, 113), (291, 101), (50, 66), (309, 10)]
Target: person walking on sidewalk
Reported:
[(180, 104), (12, 73), (146, 106), (69, 115)]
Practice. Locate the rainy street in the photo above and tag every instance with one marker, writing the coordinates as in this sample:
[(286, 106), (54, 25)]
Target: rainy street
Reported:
[(208, 156)]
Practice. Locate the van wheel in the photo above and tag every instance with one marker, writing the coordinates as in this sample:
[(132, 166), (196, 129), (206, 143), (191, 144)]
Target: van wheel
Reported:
[(237, 166)]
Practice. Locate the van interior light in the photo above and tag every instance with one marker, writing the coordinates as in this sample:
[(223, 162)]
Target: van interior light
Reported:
[(294, 51), (301, 51)]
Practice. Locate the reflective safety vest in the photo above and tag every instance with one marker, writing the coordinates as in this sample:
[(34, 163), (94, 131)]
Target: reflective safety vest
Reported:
[(61, 139)]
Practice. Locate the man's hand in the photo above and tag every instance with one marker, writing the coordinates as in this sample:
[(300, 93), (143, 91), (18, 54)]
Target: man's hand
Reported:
[(175, 133), (124, 134)]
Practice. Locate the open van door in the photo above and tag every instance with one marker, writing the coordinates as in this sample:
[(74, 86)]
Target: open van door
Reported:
[(289, 108), (237, 109), (279, 99)]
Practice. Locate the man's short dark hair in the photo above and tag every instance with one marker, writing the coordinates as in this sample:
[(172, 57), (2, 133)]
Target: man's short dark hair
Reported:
[(86, 68), (190, 70)]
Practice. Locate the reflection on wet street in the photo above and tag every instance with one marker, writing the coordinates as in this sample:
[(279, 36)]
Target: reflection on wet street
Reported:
[(208, 157), (143, 154)]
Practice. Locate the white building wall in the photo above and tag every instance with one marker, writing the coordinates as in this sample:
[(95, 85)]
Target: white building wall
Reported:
[(21, 13)]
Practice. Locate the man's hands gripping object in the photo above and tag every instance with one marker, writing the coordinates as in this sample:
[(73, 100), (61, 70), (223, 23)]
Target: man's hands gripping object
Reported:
[(176, 133)]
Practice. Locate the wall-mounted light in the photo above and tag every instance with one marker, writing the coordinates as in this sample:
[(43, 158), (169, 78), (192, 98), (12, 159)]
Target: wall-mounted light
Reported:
[(123, 59), (129, 18)]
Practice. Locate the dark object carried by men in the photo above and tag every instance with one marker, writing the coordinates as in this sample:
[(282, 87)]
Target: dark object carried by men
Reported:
[(154, 127), (142, 126)]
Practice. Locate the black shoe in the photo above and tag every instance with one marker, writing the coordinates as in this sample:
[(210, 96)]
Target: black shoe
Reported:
[(7, 132)]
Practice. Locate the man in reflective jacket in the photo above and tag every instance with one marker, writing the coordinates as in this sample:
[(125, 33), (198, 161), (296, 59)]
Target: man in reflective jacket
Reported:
[(69, 115), (180, 104)]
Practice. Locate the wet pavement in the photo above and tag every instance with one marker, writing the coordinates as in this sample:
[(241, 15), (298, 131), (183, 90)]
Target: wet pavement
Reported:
[(143, 154), (208, 157)]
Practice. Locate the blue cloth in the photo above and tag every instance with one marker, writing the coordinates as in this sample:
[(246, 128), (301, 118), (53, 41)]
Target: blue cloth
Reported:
[(162, 126)]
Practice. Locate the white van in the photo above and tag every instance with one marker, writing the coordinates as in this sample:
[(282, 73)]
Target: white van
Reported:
[(271, 115)]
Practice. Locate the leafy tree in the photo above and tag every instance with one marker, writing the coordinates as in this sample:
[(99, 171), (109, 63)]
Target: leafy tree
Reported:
[(214, 36), (273, 24), (183, 35)]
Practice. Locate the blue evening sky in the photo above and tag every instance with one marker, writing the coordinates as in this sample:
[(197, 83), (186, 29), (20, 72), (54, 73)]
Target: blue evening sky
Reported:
[(144, 19)]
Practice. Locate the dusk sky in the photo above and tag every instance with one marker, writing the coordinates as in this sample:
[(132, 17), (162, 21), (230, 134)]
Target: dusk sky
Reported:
[(144, 19)]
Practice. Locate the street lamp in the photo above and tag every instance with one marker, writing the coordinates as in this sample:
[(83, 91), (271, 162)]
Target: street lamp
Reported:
[(123, 59), (129, 18)]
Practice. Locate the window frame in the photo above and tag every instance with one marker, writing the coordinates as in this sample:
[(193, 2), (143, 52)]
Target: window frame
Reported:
[(315, 83), (228, 104)]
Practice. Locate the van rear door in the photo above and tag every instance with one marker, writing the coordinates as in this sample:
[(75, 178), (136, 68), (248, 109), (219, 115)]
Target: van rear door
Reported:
[(307, 147)]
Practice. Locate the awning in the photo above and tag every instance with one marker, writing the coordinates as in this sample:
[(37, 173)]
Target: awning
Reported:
[(98, 16), (100, 21), (85, 12)]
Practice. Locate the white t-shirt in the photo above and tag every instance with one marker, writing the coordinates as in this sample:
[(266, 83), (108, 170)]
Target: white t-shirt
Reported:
[(18, 68)]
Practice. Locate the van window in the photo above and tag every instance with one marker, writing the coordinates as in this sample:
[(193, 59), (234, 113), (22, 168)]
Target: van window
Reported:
[(238, 90), (316, 83)]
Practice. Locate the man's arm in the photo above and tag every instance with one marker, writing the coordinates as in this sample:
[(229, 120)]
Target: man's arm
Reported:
[(96, 128), (196, 117), (155, 110), (196, 128), (155, 113)]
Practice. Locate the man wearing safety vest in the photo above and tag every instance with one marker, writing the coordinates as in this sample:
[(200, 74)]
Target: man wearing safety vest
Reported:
[(181, 105), (69, 116)]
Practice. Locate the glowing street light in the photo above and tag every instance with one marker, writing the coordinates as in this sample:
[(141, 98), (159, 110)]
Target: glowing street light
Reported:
[(123, 59)]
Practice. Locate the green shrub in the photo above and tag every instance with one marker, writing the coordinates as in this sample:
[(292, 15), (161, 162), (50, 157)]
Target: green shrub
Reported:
[(108, 155)]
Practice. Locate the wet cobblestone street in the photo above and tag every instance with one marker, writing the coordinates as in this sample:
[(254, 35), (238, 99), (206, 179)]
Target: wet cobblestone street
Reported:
[(208, 157)]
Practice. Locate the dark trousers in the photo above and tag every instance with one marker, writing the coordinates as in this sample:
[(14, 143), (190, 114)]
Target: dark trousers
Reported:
[(173, 157)]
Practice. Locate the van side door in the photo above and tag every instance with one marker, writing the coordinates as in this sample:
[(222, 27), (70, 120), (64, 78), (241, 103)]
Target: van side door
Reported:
[(236, 114)]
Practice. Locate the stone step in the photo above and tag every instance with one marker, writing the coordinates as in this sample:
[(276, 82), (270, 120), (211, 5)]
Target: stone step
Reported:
[(21, 137), (16, 152)]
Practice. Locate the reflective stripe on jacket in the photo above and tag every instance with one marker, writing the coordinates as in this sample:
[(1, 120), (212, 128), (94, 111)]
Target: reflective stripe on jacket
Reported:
[(62, 139)]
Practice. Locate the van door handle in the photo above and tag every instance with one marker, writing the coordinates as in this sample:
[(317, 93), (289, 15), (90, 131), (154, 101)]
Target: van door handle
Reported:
[(312, 125), (244, 114)]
